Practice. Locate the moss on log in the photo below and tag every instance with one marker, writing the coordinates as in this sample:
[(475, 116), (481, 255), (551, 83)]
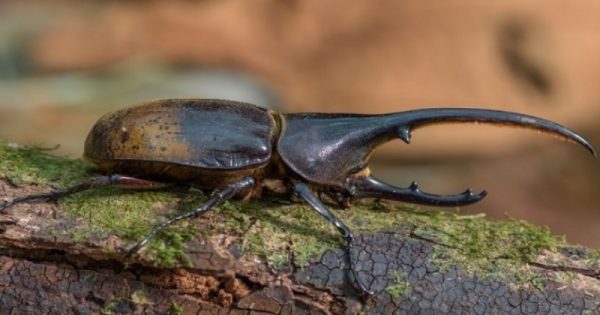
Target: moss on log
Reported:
[(268, 256)]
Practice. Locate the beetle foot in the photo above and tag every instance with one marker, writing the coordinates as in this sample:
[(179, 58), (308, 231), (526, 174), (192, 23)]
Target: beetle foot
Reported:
[(302, 191), (136, 248), (4, 206), (369, 187), (357, 280)]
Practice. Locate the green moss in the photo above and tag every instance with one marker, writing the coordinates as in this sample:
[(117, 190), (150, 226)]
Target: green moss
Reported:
[(401, 287), (176, 309), (276, 231), (566, 277), (591, 259), (106, 211), (103, 211), (30, 165), (269, 229), (110, 307), (169, 249), (473, 242), (140, 297), (109, 210), (477, 243), (525, 276)]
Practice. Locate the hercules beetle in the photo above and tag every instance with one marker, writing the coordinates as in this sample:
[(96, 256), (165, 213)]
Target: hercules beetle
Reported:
[(237, 149)]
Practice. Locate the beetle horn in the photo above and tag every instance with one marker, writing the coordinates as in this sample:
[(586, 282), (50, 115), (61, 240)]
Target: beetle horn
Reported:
[(370, 187), (408, 121), (366, 186)]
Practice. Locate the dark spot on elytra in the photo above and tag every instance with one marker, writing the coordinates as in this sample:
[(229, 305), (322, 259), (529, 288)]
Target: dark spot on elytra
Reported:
[(163, 149), (124, 137)]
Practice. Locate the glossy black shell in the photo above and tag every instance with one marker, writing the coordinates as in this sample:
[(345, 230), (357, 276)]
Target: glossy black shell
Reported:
[(199, 133)]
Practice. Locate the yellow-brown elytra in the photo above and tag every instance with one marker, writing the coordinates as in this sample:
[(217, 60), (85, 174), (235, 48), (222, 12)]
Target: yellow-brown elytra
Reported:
[(236, 149)]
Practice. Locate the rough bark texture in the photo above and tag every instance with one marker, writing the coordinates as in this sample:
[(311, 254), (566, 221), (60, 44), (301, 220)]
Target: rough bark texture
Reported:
[(46, 271)]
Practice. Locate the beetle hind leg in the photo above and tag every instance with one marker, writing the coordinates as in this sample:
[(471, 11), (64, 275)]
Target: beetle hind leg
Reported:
[(370, 187)]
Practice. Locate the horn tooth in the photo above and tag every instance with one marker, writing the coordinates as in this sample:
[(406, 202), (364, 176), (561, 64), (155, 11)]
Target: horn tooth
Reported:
[(414, 186), (404, 134)]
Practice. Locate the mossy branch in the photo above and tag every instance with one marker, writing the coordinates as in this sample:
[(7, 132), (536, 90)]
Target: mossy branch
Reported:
[(257, 242)]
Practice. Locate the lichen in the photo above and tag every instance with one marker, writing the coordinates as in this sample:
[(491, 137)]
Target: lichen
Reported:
[(111, 306), (176, 309), (591, 259), (140, 297), (401, 286)]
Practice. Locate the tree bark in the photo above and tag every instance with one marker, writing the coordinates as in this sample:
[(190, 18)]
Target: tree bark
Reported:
[(45, 271)]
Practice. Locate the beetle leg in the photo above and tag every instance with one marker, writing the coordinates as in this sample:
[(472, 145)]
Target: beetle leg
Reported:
[(216, 198), (369, 187), (303, 192), (110, 180)]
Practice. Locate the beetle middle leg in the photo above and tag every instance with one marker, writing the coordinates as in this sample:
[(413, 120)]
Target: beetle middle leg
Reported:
[(109, 180), (304, 192), (217, 197)]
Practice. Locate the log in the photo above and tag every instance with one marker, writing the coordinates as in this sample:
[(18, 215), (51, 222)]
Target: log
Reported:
[(268, 256)]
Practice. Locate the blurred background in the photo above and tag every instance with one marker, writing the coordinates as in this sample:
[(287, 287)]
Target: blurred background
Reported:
[(65, 63)]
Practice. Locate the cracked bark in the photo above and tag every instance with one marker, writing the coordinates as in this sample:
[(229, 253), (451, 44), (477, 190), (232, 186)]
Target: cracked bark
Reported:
[(42, 271)]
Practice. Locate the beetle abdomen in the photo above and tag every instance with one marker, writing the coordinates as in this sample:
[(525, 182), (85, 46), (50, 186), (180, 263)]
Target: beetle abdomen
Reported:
[(210, 134)]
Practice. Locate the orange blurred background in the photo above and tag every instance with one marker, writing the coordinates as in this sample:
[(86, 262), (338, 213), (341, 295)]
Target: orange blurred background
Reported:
[(65, 63)]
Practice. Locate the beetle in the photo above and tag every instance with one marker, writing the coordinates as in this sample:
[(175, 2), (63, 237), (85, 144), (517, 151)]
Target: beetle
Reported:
[(237, 149)]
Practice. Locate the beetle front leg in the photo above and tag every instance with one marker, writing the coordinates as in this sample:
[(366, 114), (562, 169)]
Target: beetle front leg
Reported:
[(369, 187), (110, 180), (216, 198), (304, 192)]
